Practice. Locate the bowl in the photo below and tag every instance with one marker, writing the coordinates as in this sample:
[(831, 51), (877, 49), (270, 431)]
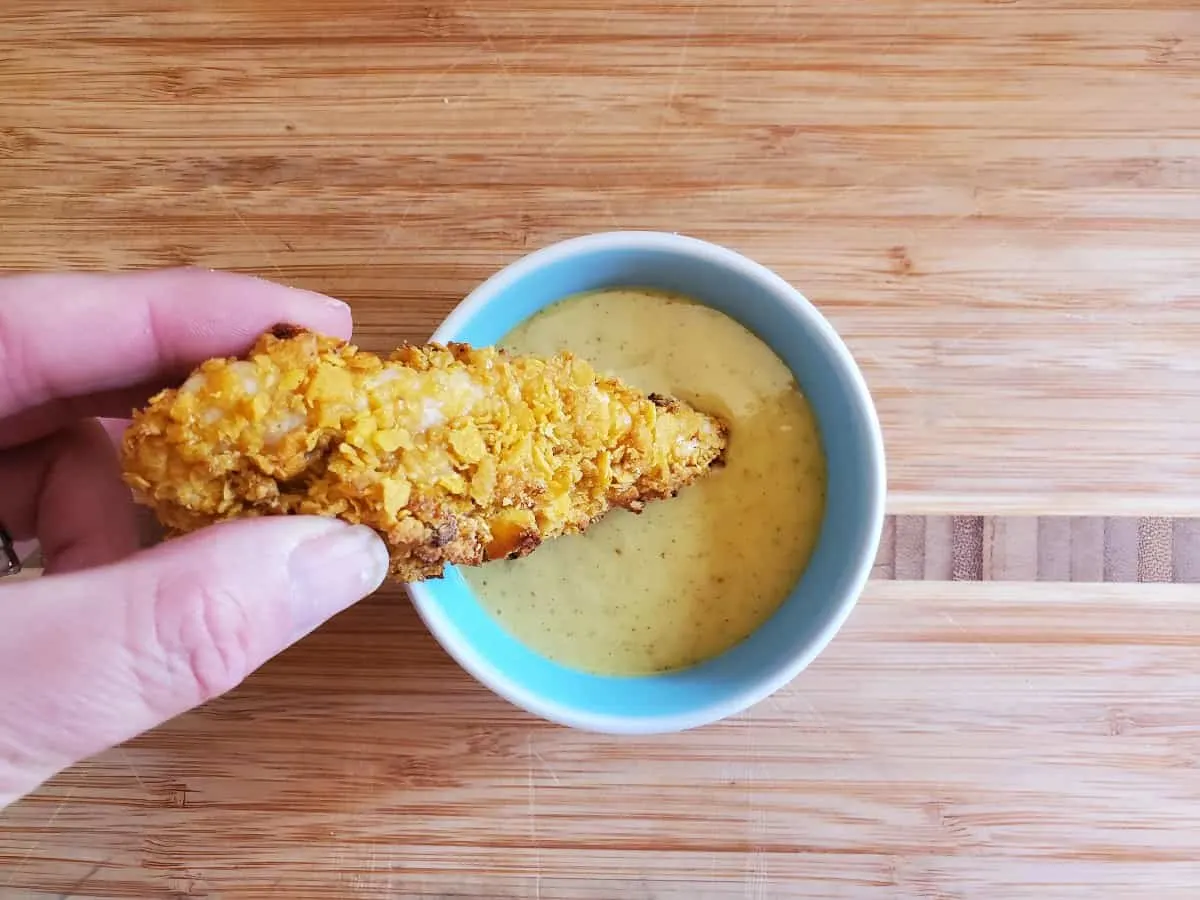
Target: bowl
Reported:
[(822, 599)]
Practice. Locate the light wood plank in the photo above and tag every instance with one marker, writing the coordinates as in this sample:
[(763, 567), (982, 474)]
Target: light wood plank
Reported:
[(956, 740), (996, 209)]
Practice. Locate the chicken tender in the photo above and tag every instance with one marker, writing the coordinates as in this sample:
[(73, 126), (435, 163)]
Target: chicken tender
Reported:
[(452, 454)]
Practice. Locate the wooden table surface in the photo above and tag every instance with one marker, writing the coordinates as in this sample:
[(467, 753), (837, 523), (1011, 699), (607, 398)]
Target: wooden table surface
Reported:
[(993, 200)]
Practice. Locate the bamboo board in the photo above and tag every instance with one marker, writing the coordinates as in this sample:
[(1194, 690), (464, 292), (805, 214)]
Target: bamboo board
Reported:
[(994, 202), (956, 740)]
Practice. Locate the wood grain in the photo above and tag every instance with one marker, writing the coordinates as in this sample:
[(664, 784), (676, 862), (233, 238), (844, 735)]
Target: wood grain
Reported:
[(994, 202), (977, 740), (1043, 548)]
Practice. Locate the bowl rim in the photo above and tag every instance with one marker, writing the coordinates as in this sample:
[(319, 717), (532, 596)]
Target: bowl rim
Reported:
[(471, 660)]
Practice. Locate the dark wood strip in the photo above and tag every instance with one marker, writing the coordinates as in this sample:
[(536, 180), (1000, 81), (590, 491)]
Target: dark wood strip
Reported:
[(1054, 542), (968, 549), (939, 548), (1087, 549), (1154, 550), (910, 548), (1010, 549), (1120, 550), (1015, 548), (1185, 555), (1046, 548)]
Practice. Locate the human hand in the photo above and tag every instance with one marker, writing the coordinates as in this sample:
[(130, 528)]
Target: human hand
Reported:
[(111, 642)]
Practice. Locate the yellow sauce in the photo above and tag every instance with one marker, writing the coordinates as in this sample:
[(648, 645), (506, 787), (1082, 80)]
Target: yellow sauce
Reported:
[(692, 576)]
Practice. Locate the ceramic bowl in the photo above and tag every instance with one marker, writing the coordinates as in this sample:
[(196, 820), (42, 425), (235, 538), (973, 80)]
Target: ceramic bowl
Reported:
[(820, 602)]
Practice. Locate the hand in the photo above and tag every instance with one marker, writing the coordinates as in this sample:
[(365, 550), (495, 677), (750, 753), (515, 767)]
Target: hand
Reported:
[(111, 642)]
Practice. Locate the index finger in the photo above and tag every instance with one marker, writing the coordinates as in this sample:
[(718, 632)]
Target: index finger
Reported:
[(75, 344)]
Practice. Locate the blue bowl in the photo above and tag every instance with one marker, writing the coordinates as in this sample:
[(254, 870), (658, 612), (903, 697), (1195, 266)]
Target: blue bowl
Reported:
[(791, 638)]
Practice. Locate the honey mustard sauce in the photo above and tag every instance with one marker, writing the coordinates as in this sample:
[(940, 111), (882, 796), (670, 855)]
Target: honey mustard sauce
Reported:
[(692, 576)]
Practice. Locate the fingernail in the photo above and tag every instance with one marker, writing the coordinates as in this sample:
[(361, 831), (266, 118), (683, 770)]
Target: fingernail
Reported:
[(333, 571), (323, 299), (331, 302)]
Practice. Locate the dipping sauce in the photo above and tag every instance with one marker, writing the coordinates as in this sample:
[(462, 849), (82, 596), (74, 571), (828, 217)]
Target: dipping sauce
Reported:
[(694, 575)]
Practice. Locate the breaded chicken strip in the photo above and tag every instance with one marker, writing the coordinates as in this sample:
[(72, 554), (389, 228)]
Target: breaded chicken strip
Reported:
[(453, 454)]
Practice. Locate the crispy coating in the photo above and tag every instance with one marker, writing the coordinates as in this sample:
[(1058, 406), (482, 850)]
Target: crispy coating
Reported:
[(452, 454)]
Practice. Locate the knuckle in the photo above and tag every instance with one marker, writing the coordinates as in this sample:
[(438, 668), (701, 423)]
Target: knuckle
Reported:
[(204, 636)]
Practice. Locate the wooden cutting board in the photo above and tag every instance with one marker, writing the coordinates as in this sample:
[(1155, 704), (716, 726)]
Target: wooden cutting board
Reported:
[(955, 741), (995, 202)]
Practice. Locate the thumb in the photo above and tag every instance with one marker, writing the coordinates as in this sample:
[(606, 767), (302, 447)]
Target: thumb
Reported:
[(90, 659)]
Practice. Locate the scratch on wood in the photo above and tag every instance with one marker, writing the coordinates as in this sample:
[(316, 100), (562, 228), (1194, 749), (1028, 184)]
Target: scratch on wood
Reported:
[(756, 874), (36, 844), (533, 829), (132, 771), (431, 79), (595, 182), (562, 138), (497, 56), (680, 62), (74, 889), (821, 720), (754, 878), (982, 646), (249, 231), (545, 765)]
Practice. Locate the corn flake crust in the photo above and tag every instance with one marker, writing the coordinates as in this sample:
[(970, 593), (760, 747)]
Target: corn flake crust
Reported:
[(452, 454)]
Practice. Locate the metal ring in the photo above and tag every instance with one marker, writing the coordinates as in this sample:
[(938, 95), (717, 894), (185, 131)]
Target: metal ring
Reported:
[(10, 563)]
